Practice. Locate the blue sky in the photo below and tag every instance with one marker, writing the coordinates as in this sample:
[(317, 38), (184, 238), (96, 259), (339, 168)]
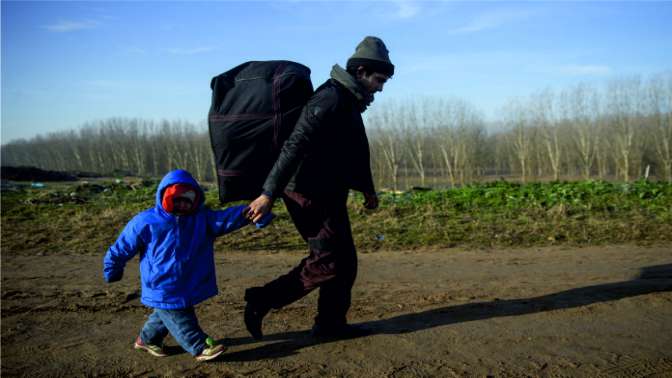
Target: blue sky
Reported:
[(66, 63)]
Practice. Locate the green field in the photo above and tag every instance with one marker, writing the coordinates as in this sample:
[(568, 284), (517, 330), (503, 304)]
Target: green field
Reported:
[(85, 218)]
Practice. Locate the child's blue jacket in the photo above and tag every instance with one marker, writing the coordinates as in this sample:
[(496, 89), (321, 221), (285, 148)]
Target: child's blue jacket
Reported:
[(177, 266)]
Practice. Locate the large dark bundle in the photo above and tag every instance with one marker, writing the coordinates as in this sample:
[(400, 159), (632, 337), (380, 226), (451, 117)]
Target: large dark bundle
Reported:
[(254, 108)]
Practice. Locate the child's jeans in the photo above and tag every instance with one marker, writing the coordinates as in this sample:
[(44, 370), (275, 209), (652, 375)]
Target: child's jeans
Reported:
[(182, 324)]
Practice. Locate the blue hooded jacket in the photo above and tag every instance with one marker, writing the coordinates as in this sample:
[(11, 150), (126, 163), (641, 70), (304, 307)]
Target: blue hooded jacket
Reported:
[(177, 266)]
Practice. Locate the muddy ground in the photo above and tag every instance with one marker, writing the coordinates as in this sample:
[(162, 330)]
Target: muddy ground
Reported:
[(598, 311)]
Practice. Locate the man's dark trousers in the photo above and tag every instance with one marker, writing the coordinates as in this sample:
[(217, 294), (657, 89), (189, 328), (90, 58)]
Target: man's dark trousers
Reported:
[(331, 265)]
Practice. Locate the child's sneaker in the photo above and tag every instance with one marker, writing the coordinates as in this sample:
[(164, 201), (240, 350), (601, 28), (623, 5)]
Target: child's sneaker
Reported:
[(154, 350), (211, 351)]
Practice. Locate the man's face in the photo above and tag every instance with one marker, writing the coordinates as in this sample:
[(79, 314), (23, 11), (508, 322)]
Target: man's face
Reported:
[(373, 82)]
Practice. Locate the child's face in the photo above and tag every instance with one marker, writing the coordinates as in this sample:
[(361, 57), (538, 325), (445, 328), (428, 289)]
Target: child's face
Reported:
[(181, 206)]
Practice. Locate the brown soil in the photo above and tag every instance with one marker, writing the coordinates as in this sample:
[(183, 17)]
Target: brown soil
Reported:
[(599, 311)]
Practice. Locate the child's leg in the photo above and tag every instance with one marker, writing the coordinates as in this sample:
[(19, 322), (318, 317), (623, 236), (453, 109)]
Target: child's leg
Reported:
[(183, 325), (154, 330)]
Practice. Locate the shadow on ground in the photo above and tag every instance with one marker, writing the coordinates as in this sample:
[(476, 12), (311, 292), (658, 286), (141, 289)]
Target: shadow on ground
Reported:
[(651, 280)]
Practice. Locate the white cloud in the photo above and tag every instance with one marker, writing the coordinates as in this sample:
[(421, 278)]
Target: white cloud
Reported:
[(191, 51), (491, 20), (65, 26), (406, 9), (585, 70)]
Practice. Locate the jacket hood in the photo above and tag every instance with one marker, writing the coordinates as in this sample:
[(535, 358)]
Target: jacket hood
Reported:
[(178, 176)]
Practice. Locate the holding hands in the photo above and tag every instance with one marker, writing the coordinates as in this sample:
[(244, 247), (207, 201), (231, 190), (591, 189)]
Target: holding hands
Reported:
[(259, 208)]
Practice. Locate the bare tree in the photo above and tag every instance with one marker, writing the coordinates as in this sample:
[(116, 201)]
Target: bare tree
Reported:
[(520, 137), (451, 151), (414, 127), (659, 96), (458, 135), (625, 108), (545, 118), (391, 144), (386, 129), (581, 106)]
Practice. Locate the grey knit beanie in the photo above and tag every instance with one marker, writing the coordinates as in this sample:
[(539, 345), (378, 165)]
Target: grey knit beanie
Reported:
[(373, 55)]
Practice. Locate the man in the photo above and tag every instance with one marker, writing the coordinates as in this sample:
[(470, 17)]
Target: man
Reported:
[(326, 155)]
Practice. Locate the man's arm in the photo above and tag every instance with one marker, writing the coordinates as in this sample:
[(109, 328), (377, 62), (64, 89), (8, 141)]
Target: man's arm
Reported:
[(308, 128)]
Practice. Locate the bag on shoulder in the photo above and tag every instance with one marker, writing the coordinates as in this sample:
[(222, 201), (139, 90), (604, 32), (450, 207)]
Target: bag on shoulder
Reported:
[(254, 108)]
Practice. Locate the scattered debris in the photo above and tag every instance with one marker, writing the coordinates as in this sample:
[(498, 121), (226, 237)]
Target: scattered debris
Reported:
[(9, 186)]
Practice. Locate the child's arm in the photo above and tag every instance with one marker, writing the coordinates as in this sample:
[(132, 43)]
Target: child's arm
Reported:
[(228, 220), (224, 221), (120, 252)]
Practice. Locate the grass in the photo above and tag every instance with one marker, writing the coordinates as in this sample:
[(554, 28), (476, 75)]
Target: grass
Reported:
[(85, 218), (507, 214)]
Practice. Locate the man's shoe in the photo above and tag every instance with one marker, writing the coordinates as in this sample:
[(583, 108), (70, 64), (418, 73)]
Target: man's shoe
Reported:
[(255, 311), (345, 331), (211, 351), (154, 350), (254, 314)]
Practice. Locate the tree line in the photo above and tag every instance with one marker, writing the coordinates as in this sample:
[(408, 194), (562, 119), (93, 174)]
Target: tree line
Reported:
[(621, 130)]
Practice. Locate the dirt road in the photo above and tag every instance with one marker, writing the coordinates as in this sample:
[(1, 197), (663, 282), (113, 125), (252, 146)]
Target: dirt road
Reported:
[(599, 311)]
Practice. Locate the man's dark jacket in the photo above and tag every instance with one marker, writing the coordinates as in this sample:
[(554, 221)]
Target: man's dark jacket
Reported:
[(328, 151)]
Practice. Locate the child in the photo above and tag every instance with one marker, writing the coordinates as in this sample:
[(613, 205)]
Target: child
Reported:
[(177, 269)]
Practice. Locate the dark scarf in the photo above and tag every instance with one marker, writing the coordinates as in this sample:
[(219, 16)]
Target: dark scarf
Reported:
[(364, 98)]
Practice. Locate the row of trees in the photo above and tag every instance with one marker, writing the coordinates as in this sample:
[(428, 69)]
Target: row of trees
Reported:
[(622, 131), (116, 145)]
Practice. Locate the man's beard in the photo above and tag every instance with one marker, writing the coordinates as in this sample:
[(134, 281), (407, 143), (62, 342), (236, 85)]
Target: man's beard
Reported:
[(366, 102)]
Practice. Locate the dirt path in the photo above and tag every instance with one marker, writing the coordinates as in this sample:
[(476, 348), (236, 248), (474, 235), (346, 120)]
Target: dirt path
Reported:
[(603, 311)]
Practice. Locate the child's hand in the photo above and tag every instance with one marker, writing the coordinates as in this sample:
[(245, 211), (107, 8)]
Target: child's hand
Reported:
[(113, 276), (265, 220)]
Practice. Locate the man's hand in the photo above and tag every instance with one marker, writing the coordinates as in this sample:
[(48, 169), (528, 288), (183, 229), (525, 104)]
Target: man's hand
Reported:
[(259, 208), (370, 201)]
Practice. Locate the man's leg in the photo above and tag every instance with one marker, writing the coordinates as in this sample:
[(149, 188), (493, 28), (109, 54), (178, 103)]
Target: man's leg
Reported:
[(320, 224), (335, 294)]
